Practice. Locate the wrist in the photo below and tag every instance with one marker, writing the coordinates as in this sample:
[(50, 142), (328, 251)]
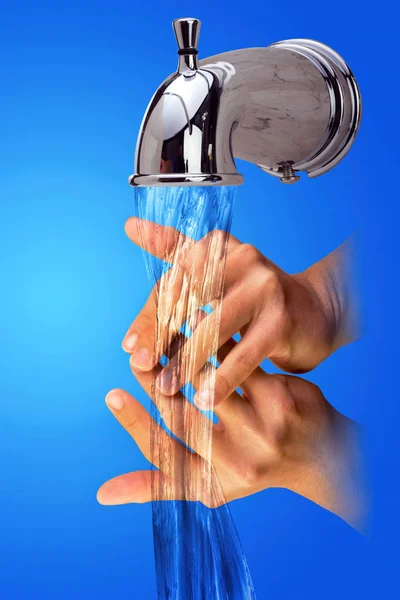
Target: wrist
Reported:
[(324, 308), (332, 280), (336, 478)]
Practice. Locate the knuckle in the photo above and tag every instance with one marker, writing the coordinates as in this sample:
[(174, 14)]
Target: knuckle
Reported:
[(250, 476), (248, 253), (223, 385), (132, 423), (281, 407), (246, 471), (220, 234), (271, 447), (144, 320), (212, 503), (247, 475), (273, 451), (185, 254), (246, 362), (270, 281), (216, 236), (277, 385)]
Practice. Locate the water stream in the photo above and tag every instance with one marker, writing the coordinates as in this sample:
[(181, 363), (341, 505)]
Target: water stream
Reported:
[(198, 554)]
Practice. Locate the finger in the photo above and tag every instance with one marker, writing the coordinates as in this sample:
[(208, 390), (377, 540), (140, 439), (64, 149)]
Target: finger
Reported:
[(167, 454), (180, 339), (144, 328), (205, 373), (233, 404), (184, 420), (151, 332), (147, 486), (180, 292), (195, 279), (237, 366), (233, 407), (160, 318), (128, 488), (159, 240), (140, 337), (199, 257), (200, 346), (137, 422), (253, 386), (232, 410)]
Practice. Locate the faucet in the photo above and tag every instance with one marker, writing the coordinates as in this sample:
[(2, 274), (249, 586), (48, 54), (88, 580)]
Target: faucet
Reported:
[(291, 107)]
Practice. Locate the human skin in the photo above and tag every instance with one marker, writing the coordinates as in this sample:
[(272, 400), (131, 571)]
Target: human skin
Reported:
[(281, 433), (296, 321)]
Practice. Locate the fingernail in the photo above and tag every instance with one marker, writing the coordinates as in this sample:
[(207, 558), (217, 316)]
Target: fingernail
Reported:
[(129, 342), (165, 381), (114, 400), (204, 400), (141, 358)]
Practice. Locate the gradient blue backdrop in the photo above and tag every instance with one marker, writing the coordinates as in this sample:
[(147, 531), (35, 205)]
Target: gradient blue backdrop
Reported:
[(75, 80)]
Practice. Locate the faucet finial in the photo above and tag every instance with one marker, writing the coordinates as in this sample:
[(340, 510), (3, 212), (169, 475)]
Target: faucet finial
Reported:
[(187, 34)]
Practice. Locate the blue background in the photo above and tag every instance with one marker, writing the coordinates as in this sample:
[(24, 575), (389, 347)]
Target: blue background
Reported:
[(75, 80)]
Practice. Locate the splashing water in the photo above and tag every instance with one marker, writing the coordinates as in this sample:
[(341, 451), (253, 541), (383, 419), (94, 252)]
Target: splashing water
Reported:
[(198, 553)]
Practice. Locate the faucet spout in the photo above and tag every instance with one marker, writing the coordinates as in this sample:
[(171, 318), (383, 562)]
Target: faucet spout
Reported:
[(181, 141), (294, 105)]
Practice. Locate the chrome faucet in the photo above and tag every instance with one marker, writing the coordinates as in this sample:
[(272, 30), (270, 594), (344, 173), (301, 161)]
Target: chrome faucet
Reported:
[(291, 107)]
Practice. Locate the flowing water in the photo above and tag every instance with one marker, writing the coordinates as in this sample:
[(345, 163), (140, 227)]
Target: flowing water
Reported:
[(198, 553)]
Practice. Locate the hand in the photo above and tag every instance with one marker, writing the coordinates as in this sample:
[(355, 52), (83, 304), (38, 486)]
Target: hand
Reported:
[(294, 320), (281, 433)]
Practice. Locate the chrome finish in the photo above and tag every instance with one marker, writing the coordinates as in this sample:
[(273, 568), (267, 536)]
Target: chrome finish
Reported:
[(347, 104), (293, 106), (187, 33), (188, 179)]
